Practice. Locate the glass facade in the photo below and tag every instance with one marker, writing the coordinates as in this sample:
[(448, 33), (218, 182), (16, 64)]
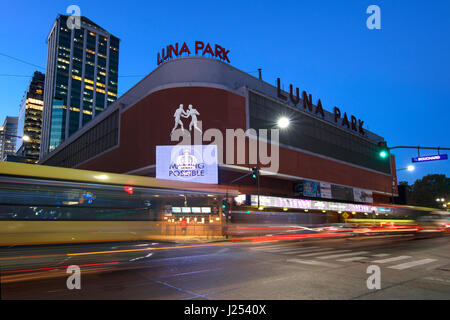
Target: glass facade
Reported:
[(101, 137), (89, 74), (8, 131), (308, 133), (84, 83), (75, 86), (113, 69), (30, 119)]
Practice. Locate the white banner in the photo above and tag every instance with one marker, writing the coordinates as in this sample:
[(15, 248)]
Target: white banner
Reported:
[(278, 202), (196, 163), (361, 195), (325, 190)]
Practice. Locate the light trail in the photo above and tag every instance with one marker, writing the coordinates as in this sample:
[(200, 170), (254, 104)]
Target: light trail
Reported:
[(59, 267)]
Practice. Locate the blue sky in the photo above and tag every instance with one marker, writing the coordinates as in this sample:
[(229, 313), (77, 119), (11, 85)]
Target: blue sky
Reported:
[(396, 79)]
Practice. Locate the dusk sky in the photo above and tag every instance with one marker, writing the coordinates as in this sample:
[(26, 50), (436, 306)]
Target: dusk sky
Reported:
[(396, 79)]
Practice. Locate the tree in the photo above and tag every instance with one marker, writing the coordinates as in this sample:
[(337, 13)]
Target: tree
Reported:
[(425, 191), (404, 192)]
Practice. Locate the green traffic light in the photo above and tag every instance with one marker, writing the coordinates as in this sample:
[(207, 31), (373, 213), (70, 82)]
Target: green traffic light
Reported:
[(383, 154)]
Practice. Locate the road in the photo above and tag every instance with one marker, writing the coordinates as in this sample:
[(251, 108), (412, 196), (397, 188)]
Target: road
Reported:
[(290, 270)]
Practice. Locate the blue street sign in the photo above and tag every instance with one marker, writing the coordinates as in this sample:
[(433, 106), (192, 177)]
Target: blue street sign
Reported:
[(430, 158)]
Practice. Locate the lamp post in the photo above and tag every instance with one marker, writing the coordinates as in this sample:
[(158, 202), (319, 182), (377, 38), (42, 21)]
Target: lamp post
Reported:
[(3, 136), (283, 122), (409, 168), (24, 137)]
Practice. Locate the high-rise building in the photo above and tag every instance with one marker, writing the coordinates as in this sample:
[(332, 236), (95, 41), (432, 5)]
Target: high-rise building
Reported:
[(30, 119), (1, 142), (81, 78), (8, 134)]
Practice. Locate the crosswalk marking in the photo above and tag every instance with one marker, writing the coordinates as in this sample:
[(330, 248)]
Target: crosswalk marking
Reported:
[(319, 253), (312, 262), (273, 246), (411, 264), (339, 255), (278, 250), (290, 250), (268, 248), (333, 256), (381, 255), (392, 259), (305, 250), (352, 259)]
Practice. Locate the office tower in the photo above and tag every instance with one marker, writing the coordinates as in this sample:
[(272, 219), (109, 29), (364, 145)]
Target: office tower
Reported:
[(30, 119), (81, 78), (1, 142), (8, 134)]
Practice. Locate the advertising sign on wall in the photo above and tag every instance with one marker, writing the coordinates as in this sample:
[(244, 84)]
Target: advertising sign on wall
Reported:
[(197, 163), (311, 189), (292, 203), (342, 193), (325, 190), (279, 202), (361, 195)]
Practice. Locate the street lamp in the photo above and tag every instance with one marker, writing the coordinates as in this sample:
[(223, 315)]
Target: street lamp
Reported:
[(24, 137), (283, 122), (409, 168)]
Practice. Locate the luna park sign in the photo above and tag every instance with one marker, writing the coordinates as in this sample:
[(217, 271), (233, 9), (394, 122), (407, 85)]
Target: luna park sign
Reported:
[(341, 119), (200, 48)]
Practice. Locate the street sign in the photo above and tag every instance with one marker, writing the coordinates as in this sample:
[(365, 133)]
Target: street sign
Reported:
[(345, 215), (430, 158)]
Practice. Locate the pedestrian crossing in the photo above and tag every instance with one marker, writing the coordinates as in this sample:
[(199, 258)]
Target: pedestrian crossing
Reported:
[(392, 259), (330, 257), (412, 264)]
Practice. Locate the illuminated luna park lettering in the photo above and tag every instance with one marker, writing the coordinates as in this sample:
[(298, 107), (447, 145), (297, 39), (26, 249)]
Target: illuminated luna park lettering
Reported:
[(350, 121), (200, 48)]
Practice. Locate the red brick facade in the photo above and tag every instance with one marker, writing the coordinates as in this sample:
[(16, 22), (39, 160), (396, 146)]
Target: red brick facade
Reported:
[(148, 123)]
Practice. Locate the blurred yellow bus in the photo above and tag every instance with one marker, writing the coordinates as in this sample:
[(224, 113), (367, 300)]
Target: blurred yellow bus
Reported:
[(47, 205)]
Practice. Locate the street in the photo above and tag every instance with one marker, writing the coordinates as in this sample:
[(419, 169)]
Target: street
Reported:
[(291, 270)]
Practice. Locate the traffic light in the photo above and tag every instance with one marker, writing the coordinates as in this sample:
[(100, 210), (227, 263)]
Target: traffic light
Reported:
[(383, 150), (226, 209), (225, 205), (255, 172)]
